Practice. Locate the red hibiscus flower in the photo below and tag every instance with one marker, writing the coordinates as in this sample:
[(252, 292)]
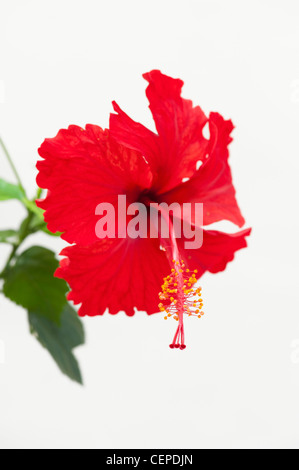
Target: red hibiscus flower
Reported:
[(84, 167)]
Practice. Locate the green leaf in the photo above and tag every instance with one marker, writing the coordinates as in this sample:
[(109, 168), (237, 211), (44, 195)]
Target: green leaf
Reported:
[(60, 340), (10, 191), (8, 236), (31, 284)]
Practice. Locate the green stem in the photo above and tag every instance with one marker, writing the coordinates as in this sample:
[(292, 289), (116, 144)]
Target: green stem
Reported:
[(23, 234), (25, 227), (38, 193), (11, 163)]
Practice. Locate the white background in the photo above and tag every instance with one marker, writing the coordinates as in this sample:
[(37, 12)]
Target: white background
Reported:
[(237, 384)]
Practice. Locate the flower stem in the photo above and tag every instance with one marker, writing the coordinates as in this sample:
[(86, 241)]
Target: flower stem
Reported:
[(38, 193), (12, 166), (23, 234)]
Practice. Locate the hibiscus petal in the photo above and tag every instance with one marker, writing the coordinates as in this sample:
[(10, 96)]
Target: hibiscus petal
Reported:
[(217, 250), (135, 136), (115, 274), (82, 168), (212, 183), (180, 144)]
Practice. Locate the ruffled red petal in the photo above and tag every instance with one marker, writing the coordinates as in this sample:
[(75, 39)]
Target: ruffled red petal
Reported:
[(135, 136), (82, 168), (180, 144), (217, 250), (115, 274), (212, 183)]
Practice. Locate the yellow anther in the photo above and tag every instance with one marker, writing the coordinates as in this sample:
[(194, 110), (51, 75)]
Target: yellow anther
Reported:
[(179, 292)]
